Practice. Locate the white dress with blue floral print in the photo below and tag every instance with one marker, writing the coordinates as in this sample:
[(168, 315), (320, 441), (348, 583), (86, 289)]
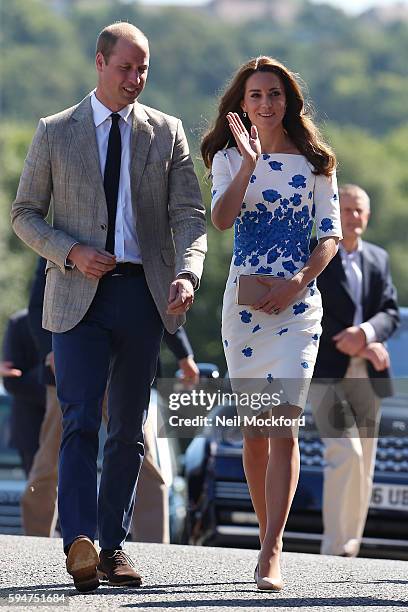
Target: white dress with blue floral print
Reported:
[(283, 201)]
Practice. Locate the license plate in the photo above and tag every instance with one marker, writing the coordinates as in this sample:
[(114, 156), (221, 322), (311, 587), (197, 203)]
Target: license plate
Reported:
[(390, 497)]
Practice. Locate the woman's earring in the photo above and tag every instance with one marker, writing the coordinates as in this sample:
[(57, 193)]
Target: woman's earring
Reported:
[(244, 114)]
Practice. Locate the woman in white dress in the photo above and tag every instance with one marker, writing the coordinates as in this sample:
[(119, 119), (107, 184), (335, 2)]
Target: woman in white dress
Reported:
[(273, 179)]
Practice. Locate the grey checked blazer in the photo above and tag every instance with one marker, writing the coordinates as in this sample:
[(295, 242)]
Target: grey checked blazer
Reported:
[(62, 172)]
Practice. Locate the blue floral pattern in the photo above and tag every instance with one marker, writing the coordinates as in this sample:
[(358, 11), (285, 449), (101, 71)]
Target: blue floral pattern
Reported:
[(296, 199), (298, 181), (275, 165), (271, 195), (245, 316), (281, 233), (283, 201), (312, 287), (299, 308), (326, 225)]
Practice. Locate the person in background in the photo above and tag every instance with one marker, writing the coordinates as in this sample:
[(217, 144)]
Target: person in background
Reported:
[(179, 344), (360, 313), (39, 500), (21, 368), (150, 521), (7, 369)]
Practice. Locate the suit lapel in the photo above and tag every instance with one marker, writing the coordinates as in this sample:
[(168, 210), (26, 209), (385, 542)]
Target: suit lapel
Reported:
[(142, 134), (339, 274), (83, 129)]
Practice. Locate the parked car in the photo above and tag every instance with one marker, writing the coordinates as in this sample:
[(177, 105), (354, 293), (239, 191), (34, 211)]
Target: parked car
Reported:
[(13, 480), (12, 476), (220, 512)]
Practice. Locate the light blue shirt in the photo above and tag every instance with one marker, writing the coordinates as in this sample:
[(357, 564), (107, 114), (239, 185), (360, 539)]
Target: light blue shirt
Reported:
[(354, 274)]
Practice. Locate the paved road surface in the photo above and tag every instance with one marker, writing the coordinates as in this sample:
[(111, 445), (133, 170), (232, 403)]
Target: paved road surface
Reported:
[(186, 578)]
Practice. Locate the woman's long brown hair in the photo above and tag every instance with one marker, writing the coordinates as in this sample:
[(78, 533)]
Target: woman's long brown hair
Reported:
[(299, 126)]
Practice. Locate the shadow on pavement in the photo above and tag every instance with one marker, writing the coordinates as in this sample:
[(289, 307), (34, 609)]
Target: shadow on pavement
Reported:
[(278, 602)]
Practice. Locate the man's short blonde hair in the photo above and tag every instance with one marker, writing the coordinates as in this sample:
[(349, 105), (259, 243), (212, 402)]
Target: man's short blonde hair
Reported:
[(355, 191), (109, 36)]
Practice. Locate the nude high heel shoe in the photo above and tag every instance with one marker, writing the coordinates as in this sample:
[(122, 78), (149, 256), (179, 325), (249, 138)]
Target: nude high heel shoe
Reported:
[(264, 583), (256, 571), (269, 584)]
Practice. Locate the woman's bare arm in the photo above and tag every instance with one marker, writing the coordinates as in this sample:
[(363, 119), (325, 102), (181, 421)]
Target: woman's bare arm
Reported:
[(227, 208)]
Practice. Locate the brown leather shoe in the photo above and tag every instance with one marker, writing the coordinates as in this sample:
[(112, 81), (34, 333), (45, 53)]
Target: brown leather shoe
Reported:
[(81, 563), (118, 568)]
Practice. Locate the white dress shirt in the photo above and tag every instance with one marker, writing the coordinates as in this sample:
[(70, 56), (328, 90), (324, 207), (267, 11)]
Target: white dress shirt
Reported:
[(354, 275), (126, 241)]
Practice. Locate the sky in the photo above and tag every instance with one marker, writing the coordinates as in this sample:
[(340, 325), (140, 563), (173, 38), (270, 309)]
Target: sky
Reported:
[(352, 6)]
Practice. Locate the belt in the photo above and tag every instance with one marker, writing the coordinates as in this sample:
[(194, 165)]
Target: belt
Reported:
[(126, 269)]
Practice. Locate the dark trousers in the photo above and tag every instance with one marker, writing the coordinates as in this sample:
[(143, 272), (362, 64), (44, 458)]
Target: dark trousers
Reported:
[(118, 342)]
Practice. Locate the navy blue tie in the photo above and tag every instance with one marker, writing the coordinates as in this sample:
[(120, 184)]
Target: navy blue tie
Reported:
[(111, 179)]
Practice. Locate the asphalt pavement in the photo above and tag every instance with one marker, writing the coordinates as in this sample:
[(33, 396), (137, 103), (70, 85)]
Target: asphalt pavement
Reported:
[(203, 579)]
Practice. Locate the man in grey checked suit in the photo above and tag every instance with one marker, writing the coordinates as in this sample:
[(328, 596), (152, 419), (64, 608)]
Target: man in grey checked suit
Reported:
[(125, 252)]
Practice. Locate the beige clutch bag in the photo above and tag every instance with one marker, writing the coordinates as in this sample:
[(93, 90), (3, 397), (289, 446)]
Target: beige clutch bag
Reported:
[(249, 290)]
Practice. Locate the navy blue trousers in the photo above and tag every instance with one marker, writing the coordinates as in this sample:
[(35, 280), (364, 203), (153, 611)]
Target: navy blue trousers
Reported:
[(117, 342)]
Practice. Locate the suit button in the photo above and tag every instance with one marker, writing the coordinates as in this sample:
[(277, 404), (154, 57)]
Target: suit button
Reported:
[(103, 226)]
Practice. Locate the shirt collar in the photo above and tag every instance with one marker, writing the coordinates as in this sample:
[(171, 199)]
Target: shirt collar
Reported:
[(345, 254), (101, 112)]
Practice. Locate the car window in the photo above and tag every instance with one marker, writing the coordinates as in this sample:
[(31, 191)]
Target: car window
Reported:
[(398, 348), (9, 457)]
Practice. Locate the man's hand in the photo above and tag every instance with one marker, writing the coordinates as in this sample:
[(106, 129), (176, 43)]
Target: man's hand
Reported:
[(190, 371), (7, 370), (351, 340), (181, 296), (50, 361), (93, 263), (377, 355)]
